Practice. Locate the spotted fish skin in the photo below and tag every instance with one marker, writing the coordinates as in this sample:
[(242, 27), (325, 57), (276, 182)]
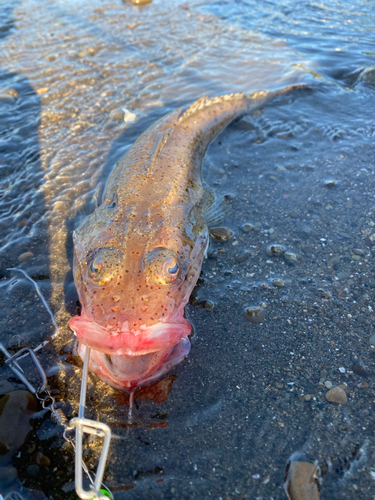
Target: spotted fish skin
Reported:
[(138, 256)]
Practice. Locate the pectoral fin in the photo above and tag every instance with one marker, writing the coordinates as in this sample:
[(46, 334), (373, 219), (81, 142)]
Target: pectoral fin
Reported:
[(213, 211)]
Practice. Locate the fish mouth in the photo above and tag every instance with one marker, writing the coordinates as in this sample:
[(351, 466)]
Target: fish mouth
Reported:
[(121, 342), (128, 373)]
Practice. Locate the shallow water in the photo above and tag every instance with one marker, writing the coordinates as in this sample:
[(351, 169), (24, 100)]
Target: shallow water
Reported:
[(301, 171)]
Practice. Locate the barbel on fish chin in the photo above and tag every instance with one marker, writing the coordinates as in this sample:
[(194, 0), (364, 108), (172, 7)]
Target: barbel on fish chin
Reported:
[(138, 256)]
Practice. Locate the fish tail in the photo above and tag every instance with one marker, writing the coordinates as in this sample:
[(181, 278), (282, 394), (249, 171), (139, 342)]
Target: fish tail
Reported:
[(261, 97), (239, 103)]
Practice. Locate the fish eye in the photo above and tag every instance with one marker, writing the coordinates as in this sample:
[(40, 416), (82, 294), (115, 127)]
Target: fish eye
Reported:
[(95, 268), (163, 266), (104, 265)]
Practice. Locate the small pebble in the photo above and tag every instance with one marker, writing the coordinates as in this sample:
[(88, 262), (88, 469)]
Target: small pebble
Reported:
[(221, 233), (42, 460), (328, 384), (358, 251), (335, 260), (372, 339), (342, 369), (208, 304), (356, 257), (307, 232), (290, 257), (139, 2), (301, 481), (243, 256), (129, 116), (255, 314), (330, 183), (275, 250), (16, 410), (23, 222), (337, 395), (33, 470), (68, 487), (25, 256), (342, 275), (278, 282), (13, 93), (116, 115), (213, 254), (249, 227), (344, 235), (360, 369)]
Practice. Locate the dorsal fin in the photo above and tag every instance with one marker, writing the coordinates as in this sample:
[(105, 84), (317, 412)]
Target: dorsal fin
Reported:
[(206, 102)]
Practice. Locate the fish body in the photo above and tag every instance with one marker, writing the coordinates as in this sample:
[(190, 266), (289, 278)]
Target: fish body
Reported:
[(137, 258)]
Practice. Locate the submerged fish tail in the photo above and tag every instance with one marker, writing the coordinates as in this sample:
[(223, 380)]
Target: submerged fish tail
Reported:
[(206, 117)]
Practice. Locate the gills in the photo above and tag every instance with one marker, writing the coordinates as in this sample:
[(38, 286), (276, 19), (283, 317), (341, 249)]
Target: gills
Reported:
[(138, 256)]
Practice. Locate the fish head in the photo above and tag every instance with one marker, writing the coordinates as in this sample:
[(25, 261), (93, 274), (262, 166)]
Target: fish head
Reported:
[(133, 284)]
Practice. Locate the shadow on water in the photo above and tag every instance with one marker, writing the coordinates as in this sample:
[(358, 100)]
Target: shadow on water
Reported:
[(20, 215), (19, 164)]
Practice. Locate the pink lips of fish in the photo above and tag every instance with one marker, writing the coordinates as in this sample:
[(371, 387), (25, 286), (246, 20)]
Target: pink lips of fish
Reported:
[(129, 372), (127, 360), (125, 343)]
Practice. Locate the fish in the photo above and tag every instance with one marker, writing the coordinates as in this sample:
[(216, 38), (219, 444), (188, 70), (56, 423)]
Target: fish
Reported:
[(138, 256)]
